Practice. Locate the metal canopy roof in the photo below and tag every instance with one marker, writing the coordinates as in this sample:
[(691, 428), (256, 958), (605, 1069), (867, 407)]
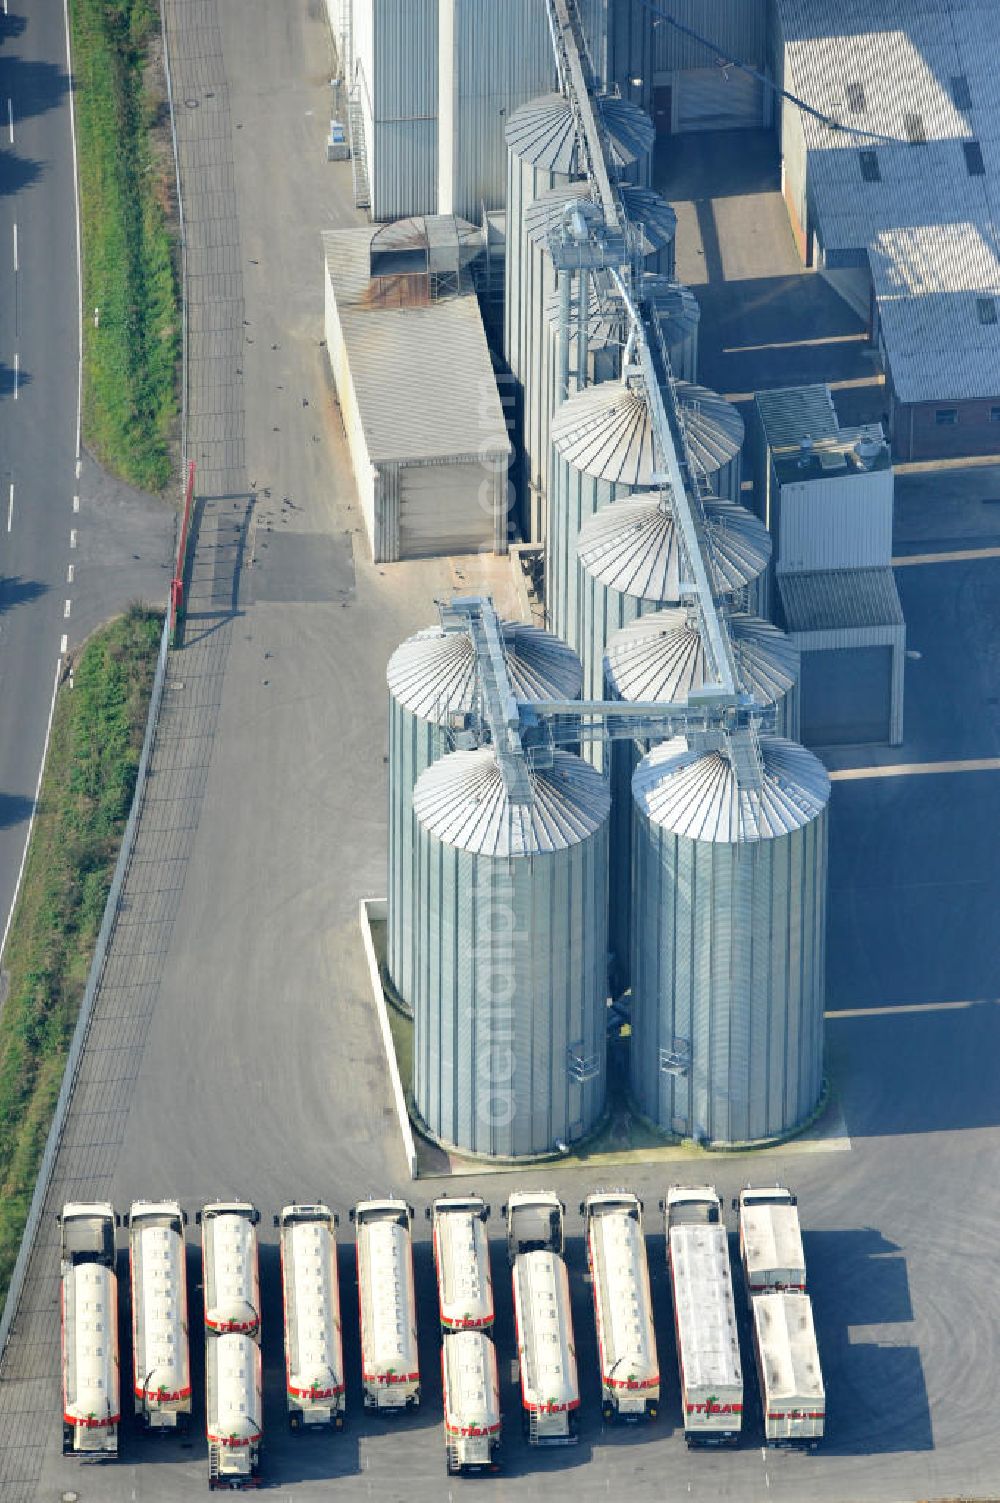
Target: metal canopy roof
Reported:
[(697, 795), (714, 427), (605, 431), (633, 546), (835, 599)]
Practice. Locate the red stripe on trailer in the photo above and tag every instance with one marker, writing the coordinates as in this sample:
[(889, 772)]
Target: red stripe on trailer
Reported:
[(165, 1396), (552, 1408), (88, 1422), (315, 1393), (234, 1442)]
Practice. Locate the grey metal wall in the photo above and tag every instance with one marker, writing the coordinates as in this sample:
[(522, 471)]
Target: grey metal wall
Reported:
[(728, 942), (661, 657), (510, 904), (630, 50), (738, 29), (396, 48), (431, 676), (495, 55)]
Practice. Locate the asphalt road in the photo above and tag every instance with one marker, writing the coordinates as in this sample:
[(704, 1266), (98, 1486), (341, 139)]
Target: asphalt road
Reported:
[(261, 1071), (65, 565)]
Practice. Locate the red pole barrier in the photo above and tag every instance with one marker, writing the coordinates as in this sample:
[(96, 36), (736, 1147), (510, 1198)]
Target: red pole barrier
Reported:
[(177, 583)]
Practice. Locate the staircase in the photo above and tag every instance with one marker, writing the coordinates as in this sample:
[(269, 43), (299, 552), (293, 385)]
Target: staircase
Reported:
[(213, 1467), (359, 157)]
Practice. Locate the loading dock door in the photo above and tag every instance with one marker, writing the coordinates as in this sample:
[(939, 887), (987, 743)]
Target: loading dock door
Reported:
[(846, 696), (444, 508), (717, 99)]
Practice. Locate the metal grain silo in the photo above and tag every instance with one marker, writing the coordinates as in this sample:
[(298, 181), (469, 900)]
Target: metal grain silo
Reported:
[(602, 449), (432, 678), (678, 315), (510, 907), (728, 941), (542, 154), (661, 657), (630, 563)]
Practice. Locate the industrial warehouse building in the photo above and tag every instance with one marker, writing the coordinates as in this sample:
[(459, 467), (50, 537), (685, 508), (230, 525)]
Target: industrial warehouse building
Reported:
[(826, 496), (910, 204), (418, 396)]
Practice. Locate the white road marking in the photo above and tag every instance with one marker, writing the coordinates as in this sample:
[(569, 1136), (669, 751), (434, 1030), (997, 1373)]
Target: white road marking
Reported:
[(38, 787), (67, 608), (10, 508), (15, 243), (79, 468), (69, 573), (10, 117), (72, 537), (63, 643), (76, 503), (17, 372)]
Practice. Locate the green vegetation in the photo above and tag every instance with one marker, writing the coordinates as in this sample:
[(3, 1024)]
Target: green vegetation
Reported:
[(97, 733), (126, 194)]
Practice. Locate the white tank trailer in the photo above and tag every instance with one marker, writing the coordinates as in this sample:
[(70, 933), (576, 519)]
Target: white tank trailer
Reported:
[(770, 1240), (390, 1369), (546, 1349), (230, 1267), (792, 1395), (701, 1286), (234, 1410), (91, 1393), (462, 1262), (623, 1305), (161, 1353), (728, 1053), (310, 1292), (471, 1392)]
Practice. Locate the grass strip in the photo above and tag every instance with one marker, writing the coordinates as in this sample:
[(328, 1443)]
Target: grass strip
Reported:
[(131, 351), (90, 774)]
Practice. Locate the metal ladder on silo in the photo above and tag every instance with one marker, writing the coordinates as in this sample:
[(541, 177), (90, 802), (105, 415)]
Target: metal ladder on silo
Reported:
[(359, 157)]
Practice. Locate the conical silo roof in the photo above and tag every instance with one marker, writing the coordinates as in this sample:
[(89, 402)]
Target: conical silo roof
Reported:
[(714, 427), (549, 209), (605, 432), (632, 546), (463, 801), (662, 657), (652, 216), (433, 674), (543, 133), (696, 794), (611, 431), (675, 305)]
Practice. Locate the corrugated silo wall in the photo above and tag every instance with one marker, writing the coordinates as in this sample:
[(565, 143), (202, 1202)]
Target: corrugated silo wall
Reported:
[(494, 55), (513, 960), (737, 29), (414, 744), (594, 17), (574, 498), (728, 957), (396, 44), (630, 50)]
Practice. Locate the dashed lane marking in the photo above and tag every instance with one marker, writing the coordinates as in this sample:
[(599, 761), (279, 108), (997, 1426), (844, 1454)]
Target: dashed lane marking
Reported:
[(76, 503), (10, 508), (66, 609), (69, 574), (72, 537)]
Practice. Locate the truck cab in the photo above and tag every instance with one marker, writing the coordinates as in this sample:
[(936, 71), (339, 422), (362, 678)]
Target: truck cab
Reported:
[(534, 1223)]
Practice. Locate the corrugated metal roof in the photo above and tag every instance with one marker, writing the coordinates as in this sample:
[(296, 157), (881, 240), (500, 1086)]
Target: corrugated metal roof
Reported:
[(697, 795), (632, 546), (462, 800), (422, 375), (791, 413), (713, 426), (677, 308), (929, 286), (545, 213), (648, 213), (605, 432), (840, 598), (662, 657), (786, 1339), (543, 133), (433, 673)]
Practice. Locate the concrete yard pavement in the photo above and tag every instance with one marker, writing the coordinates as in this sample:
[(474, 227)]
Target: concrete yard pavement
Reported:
[(255, 1064)]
